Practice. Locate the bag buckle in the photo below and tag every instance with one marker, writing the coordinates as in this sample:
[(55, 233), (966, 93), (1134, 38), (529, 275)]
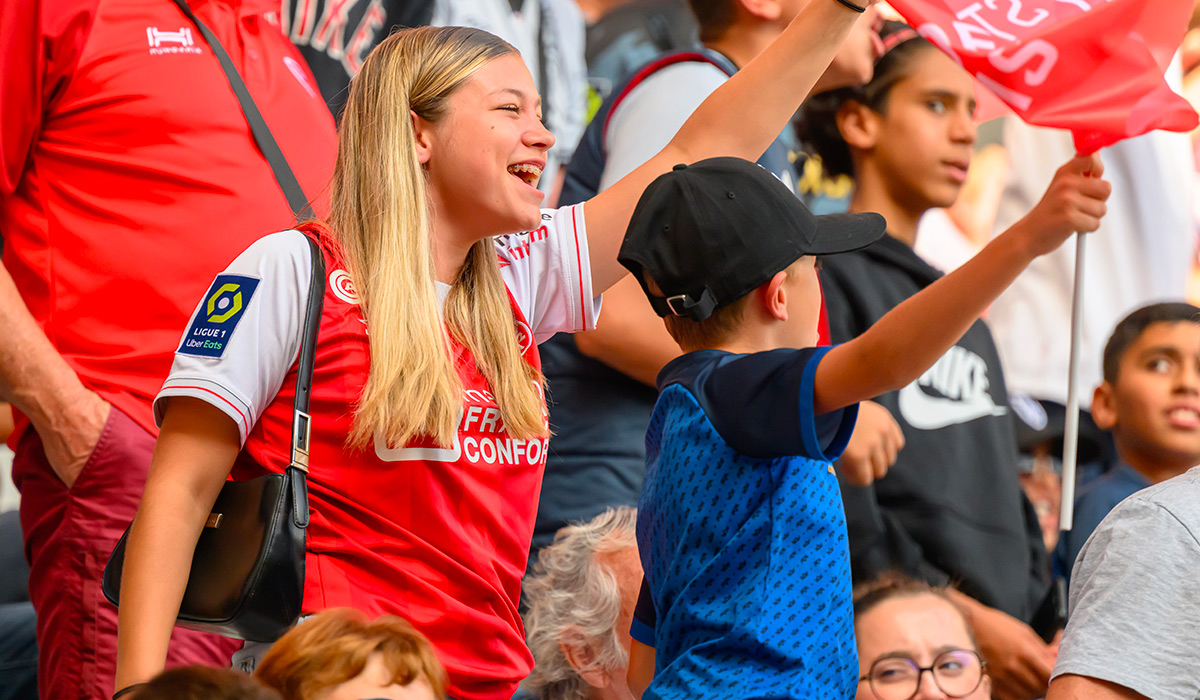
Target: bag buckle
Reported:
[(301, 432)]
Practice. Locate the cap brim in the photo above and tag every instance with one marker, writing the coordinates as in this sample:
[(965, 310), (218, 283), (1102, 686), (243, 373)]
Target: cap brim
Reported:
[(842, 233)]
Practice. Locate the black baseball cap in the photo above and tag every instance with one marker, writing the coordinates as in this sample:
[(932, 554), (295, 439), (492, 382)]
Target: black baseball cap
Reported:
[(710, 233)]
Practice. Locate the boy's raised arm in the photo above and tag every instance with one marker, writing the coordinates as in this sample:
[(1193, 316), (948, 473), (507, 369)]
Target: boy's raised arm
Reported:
[(741, 118), (911, 337)]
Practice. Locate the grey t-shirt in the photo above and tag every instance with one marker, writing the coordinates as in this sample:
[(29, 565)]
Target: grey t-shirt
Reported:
[(1135, 595)]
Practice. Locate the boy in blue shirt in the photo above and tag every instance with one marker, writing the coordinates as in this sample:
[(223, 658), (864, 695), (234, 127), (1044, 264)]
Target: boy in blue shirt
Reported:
[(740, 525), (1150, 400)]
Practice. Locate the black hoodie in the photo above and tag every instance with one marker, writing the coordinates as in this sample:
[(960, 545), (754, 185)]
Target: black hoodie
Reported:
[(951, 508)]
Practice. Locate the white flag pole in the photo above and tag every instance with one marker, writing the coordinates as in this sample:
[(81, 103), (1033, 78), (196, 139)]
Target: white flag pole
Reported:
[(1071, 432)]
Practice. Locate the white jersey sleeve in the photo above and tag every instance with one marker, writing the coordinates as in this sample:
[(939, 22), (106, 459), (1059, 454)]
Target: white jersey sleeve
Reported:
[(245, 334), (549, 273), (647, 118)]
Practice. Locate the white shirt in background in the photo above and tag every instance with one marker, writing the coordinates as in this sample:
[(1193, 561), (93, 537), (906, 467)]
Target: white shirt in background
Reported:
[(1142, 254)]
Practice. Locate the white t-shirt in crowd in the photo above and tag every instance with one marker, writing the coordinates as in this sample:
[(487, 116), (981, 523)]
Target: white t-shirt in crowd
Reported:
[(647, 118), (1135, 596)]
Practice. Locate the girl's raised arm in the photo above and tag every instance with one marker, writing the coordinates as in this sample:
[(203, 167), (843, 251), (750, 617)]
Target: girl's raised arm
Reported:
[(740, 119)]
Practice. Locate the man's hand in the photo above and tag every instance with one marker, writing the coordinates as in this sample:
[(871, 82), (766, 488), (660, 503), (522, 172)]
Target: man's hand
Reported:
[(873, 446), (35, 379), (1019, 662), (72, 436)]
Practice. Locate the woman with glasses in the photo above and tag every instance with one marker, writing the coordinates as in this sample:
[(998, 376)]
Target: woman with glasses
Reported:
[(915, 644)]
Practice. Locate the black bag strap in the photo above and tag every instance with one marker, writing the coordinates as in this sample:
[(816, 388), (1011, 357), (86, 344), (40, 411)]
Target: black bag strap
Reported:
[(301, 420), (258, 126)]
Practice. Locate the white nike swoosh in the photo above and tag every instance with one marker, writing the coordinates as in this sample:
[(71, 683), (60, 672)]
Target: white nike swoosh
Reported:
[(925, 412)]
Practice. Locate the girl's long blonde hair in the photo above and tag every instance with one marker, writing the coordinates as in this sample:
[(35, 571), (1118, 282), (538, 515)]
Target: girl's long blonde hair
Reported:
[(380, 215)]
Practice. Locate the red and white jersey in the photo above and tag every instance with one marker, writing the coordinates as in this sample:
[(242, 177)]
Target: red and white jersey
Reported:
[(437, 534)]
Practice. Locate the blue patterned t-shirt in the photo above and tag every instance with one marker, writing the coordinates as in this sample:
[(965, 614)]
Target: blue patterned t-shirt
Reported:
[(742, 534)]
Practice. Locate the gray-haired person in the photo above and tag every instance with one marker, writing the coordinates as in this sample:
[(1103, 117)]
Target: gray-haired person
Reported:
[(580, 600)]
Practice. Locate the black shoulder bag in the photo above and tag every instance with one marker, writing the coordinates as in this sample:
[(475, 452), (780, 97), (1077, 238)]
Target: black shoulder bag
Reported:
[(247, 576)]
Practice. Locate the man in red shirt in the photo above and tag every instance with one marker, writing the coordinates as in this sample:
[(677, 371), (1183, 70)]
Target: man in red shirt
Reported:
[(128, 178)]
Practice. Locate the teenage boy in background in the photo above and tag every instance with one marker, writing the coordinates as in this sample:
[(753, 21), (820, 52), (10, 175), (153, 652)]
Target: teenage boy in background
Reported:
[(1150, 400), (740, 525), (602, 381)]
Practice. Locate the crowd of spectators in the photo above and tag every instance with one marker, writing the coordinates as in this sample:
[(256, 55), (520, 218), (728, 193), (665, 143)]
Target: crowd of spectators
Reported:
[(129, 179)]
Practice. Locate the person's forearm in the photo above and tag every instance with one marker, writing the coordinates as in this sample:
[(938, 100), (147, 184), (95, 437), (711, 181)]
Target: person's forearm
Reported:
[(641, 668), (157, 561), (629, 337), (740, 119), (899, 347), (772, 84), (6, 421), (33, 376), (639, 357), (192, 458)]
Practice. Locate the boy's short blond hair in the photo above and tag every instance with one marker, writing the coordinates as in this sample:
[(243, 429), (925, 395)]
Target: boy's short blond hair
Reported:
[(718, 328), (715, 330)]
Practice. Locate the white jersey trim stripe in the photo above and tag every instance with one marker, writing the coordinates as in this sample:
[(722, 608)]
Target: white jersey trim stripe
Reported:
[(224, 403)]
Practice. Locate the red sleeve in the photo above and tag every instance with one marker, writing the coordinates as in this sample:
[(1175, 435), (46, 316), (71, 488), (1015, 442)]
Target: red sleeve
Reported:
[(40, 43)]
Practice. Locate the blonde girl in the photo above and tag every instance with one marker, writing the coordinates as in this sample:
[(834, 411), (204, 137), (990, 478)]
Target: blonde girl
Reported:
[(429, 426)]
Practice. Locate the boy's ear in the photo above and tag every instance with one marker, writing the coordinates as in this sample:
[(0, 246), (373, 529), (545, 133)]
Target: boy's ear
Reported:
[(1104, 406), (774, 297), (859, 125), (422, 137)]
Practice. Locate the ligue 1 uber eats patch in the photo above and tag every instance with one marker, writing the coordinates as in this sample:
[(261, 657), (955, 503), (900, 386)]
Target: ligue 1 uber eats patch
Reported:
[(218, 316)]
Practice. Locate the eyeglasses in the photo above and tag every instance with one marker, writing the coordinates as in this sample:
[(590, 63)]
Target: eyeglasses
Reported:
[(957, 673)]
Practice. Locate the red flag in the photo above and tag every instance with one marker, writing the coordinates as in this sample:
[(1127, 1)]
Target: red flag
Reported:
[(1092, 66)]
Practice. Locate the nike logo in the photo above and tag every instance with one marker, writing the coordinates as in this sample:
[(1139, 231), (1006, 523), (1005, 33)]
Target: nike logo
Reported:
[(960, 380)]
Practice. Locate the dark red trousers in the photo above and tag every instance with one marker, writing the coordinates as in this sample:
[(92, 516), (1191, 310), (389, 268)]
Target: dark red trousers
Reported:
[(69, 534)]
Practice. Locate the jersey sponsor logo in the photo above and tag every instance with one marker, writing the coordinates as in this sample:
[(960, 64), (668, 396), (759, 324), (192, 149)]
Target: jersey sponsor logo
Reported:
[(954, 390), (519, 245), (481, 438), (167, 42), (418, 453), (223, 307), (343, 286), (524, 336)]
